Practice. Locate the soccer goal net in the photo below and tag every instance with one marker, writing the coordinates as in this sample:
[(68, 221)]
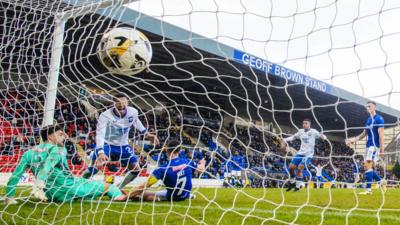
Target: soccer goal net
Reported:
[(264, 93)]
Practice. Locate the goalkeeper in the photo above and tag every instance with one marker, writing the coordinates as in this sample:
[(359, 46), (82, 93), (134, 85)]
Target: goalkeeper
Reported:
[(54, 180)]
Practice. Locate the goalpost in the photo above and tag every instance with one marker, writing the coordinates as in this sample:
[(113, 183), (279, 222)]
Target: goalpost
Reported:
[(227, 79), (57, 46)]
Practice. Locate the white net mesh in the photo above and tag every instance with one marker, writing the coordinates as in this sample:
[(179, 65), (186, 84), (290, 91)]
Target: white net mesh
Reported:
[(219, 95)]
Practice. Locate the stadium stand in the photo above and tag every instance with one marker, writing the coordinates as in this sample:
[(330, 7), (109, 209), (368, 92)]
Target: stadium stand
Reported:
[(266, 165)]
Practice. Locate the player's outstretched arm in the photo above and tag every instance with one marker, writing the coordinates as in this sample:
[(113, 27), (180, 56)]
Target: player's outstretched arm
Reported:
[(381, 134), (282, 143), (353, 140), (323, 137), (14, 179), (153, 138), (101, 128), (147, 135), (138, 191), (100, 137)]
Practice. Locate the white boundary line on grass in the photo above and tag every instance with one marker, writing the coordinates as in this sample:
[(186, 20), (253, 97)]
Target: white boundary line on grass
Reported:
[(262, 211), (343, 214)]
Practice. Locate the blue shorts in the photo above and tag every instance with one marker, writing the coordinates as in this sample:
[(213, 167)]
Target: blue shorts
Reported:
[(167, 195), (171, 196), (124, 154), (301, 160), (319, 178)]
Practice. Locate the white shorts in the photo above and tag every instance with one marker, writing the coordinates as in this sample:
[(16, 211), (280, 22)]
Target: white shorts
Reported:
[(226, 175), (236, 173), (371, 153), (161, 195)]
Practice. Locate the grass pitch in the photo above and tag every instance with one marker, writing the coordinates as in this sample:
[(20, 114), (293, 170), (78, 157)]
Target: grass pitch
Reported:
[(219, 206)]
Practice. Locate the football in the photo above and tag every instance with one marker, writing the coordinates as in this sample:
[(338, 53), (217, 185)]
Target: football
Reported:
[(125, 51)]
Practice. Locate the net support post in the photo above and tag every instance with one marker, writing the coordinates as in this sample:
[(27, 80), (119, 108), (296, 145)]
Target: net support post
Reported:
[(56, 53), (54, 72), (93, 7)]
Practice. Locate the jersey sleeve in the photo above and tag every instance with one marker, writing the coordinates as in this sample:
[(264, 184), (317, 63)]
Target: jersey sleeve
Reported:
[(313, 166), (52, 160), (293, 137), (101, 130), (379, 122), (138, 124), (16, 175), (152, 180), (317, 134), (159, 173)]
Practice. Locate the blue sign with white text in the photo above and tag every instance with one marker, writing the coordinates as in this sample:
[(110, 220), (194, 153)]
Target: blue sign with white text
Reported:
[(276, 70)]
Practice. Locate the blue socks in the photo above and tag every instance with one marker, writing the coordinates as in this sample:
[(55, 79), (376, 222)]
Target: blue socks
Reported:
[(369, 176), (376, 176)]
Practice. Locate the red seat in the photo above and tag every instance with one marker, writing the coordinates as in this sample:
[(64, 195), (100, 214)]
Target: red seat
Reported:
[(4, 159)]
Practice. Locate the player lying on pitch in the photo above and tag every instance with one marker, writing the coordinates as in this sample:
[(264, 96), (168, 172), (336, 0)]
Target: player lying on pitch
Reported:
[(176, 174), (54, 180)]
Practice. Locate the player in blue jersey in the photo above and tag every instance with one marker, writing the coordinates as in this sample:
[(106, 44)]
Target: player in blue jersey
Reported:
[(237, 163), (226, 172), (112, 134), (176, 175), (374, 130)]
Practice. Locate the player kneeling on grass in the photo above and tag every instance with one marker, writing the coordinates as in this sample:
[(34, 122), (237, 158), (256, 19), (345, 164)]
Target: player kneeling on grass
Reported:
[(54, 180), (176, 174)]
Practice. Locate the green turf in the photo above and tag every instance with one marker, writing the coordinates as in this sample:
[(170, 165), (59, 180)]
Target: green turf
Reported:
[(220, 206)]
